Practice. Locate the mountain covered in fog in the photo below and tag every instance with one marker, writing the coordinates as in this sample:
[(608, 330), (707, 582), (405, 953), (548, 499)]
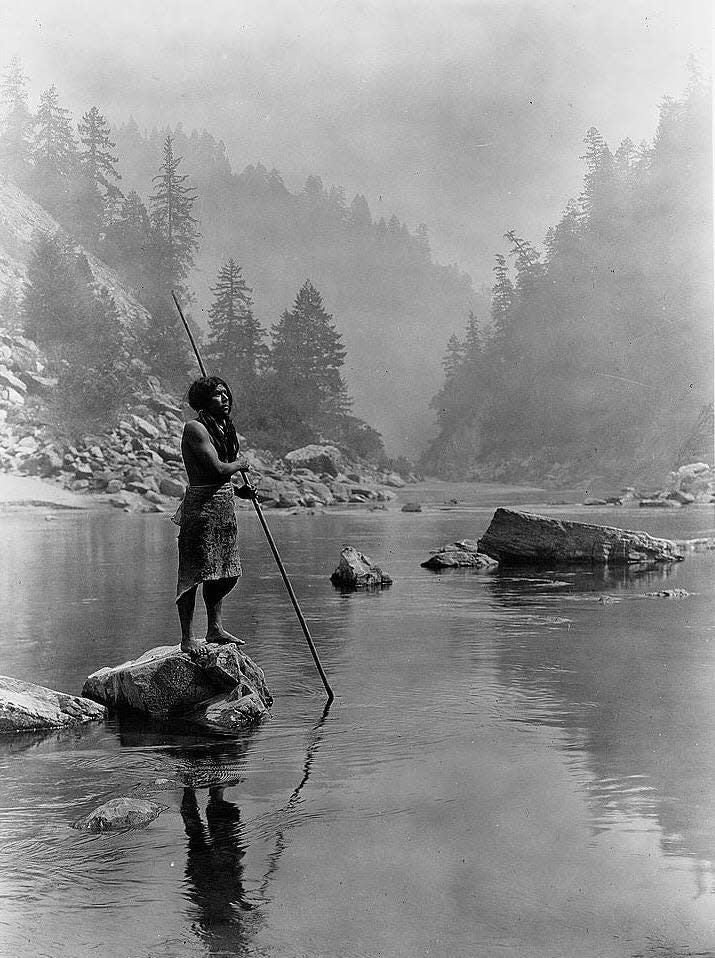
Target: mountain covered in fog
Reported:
[(392, 304), (597, 358)]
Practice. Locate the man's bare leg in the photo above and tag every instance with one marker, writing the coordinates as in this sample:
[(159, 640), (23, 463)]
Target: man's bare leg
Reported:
[(185, 605), (214, 592)]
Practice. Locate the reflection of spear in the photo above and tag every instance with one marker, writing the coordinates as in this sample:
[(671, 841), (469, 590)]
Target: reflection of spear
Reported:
[(267, 531), (274, 858)]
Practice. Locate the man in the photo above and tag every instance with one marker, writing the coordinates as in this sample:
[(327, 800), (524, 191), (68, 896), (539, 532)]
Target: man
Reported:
[(208, 537)]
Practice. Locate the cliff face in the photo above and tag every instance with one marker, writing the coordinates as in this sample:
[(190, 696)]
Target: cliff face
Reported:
[(21, 218)]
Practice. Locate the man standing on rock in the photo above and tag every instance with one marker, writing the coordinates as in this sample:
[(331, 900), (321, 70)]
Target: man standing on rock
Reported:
[(208, 537)]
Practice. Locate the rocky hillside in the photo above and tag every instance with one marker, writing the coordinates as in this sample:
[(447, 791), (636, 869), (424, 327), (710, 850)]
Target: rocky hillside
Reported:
[(135, 462), (21, 219)]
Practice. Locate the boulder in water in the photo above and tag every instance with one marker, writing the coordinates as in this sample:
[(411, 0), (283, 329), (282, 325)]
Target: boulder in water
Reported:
[(357, 571), (462, 554), (520, 537), (26, 707), (167, 682), (121, 814)]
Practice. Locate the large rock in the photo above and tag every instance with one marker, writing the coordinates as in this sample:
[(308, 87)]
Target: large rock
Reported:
[(120, 814), (25, 707), (462, 554), (517, 537), (317, 458), (226, 691), (357, 571)]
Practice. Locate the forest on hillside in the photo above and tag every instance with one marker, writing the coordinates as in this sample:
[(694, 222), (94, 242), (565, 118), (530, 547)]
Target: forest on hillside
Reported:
[(597, 353), (112, 189)]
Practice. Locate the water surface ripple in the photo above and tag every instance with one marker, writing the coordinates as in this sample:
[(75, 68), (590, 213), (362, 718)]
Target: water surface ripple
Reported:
[(518, 762)]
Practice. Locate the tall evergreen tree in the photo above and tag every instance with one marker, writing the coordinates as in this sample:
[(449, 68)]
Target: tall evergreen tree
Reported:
[(236, 339), (174, 241), (16, 138), (55, 148), (502, 297), (96, 190), (171, 207), (307, 356)]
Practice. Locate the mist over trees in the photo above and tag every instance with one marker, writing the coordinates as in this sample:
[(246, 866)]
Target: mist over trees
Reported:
[(289, 391), (597, 353), (593, 356)]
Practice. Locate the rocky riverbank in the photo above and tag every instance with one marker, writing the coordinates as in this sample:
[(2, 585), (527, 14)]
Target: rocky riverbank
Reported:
[(135, 463)]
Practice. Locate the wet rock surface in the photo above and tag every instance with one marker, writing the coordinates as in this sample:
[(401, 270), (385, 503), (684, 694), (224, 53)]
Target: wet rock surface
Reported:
[(121, 814), (26, 707), (357, 571), (521, 537), (461, 554), (223, 692)]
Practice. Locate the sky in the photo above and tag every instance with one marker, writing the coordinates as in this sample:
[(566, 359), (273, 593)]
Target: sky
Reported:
[(466, 115)]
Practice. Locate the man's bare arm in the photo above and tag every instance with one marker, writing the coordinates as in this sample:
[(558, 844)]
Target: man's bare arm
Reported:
[(205, 456)]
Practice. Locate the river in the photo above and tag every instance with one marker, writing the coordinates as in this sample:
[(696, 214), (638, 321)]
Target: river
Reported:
[(515, 764)]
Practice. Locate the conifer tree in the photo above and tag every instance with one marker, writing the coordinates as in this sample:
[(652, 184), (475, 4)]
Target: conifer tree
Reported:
[(170, 257), (307, 355), (236, 339), (171, 207), (55, 149), (127, 241), (97, 190), (502, 297), (55, 292), (16, 139)]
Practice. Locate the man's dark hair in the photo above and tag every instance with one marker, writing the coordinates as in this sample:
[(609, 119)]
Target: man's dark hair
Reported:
[(222, 434), (201, 391)]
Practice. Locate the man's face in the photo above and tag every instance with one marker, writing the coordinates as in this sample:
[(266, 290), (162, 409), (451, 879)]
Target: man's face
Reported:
[(219, 404)]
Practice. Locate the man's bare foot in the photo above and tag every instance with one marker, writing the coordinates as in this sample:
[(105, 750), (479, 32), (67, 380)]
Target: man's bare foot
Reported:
[(196, 648), (222, 637)]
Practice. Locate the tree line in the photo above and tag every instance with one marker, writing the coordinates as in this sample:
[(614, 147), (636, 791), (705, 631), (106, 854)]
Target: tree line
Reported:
[(596, 354), (287, 392)]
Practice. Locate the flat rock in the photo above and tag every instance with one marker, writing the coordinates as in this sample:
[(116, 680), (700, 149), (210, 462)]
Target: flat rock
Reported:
[(357, 571), (25, 707), (121, 814), (519, 537), (167, 682), (462, 554)]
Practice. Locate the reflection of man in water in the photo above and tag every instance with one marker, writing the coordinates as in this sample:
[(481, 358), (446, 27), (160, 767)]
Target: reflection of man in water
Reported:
[(214, 869), (208, 540)]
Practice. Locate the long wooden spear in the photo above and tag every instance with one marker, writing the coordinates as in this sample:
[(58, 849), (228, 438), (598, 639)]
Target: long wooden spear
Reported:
[(269, 537)]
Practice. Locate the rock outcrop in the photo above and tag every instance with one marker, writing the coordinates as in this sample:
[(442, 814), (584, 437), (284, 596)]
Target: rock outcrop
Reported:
[(121, 814), (26, 707), (317, 458), (357, 571), (222, 694), (462, 554), (520, 537)]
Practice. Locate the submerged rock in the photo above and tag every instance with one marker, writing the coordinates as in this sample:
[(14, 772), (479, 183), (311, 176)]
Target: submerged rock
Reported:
[(357, 571), (25, 707), (462, 554), (120, 814), (518, 537), (225, 691)]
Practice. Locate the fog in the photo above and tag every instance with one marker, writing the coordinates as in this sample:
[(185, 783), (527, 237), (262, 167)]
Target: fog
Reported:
[(467, 116)]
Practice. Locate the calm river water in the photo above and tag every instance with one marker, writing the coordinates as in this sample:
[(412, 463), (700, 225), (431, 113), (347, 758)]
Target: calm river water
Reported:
[(511, 767)]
